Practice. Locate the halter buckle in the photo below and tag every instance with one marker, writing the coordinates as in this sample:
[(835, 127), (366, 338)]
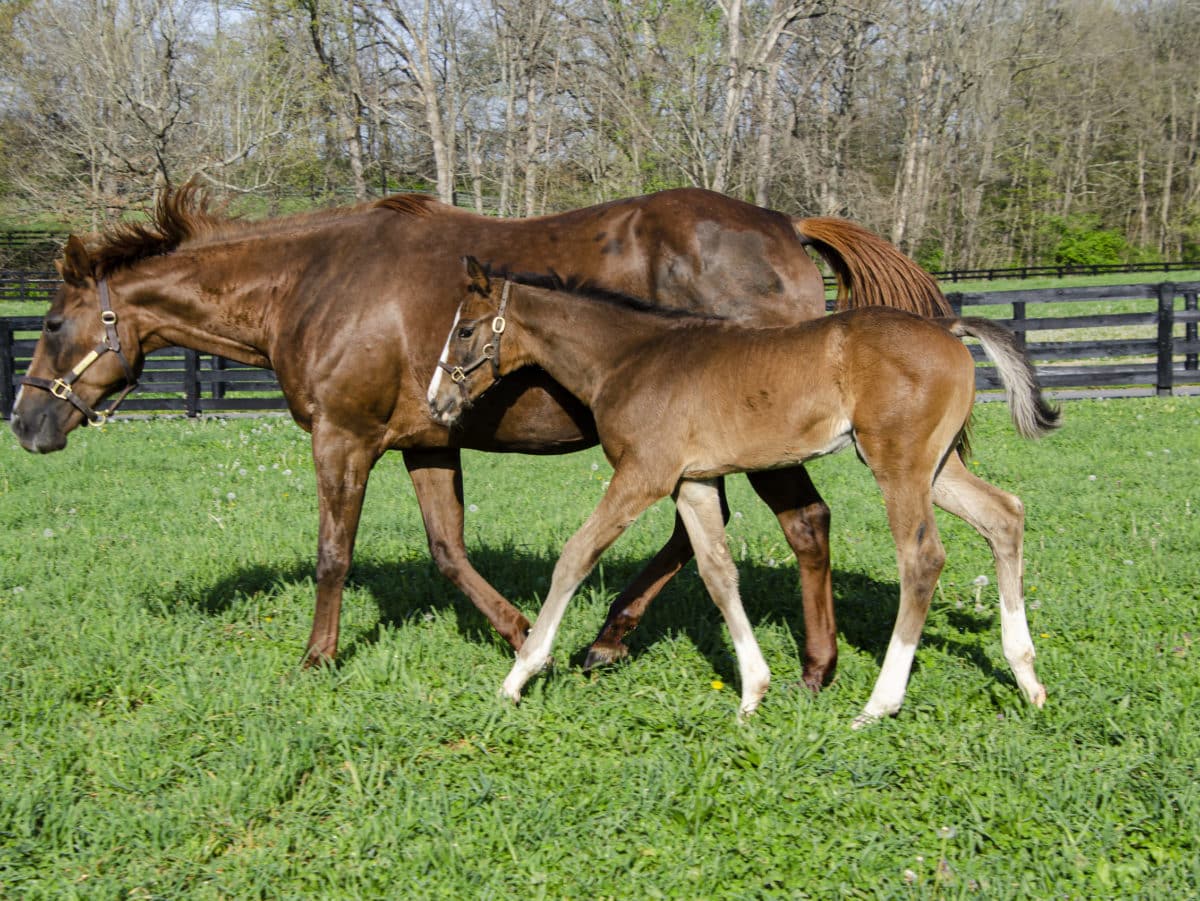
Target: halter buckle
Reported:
[(108, 317), (498, 325), (60, 389), (457, 375)]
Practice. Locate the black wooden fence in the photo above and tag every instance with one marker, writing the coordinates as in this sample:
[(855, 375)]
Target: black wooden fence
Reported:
[(1150, 348)]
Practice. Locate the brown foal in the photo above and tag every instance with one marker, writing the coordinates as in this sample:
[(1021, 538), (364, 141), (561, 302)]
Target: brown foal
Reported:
[(681, 401)]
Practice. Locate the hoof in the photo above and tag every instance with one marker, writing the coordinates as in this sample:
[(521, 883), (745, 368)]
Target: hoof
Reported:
[(517, 638), (817, 677), (315, 658), (1038, 697), (599, 655), (863, 720)]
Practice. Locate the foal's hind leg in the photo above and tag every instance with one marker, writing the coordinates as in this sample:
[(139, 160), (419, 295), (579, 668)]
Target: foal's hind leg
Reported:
[(700, 509), (1000, 518), (920, 556), (626, 498)]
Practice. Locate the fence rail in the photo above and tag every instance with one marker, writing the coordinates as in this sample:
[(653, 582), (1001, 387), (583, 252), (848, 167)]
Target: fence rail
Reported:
[(1152, 349)]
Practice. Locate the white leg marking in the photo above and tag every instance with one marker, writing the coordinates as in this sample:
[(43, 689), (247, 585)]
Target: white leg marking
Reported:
[(888, 694), (699, 507)]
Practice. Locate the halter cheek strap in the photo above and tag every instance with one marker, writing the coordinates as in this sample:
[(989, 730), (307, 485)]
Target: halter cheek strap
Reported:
[(62, 387), (490, 351)]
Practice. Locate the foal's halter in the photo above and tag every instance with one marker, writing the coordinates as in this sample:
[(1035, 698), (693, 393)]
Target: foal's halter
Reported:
[(490, 351), (61, 387)]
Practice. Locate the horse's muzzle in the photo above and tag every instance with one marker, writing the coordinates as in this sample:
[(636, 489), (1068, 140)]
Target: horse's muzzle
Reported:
[(39, 433)]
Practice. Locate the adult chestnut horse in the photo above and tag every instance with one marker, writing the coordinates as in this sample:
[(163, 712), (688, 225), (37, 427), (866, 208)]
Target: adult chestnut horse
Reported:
[(350, 308), (682, 400)]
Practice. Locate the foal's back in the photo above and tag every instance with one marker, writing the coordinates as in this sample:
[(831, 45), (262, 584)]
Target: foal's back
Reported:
[(713, 399)]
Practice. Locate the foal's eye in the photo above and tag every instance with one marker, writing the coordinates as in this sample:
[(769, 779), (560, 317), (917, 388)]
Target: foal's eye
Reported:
[(466, 332), (52, 325)]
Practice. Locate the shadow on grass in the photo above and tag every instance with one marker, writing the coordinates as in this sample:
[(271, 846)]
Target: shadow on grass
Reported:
[(865, 608)]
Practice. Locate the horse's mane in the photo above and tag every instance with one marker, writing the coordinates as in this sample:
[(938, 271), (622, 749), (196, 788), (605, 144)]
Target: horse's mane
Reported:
[(578, 286), (183, 217)]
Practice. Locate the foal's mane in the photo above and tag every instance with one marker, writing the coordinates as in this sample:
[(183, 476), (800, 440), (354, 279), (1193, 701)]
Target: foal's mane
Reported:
[(577, 286), (183, 218)]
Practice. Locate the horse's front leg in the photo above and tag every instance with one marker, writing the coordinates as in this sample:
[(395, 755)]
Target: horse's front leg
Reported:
[(437, 480), (343, 462), (804, 516)]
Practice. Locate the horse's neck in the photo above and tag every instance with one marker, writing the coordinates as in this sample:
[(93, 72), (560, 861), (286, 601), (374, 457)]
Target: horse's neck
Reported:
[(179, 311), (579, 342)]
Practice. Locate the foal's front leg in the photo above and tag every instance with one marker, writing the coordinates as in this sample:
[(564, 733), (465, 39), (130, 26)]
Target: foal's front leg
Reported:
[(700, 509), (626, 498)]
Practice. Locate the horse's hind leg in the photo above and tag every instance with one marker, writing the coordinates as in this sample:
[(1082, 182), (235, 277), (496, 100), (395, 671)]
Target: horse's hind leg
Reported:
[(627, 497), (920, 556), (804, 517), (700, 509), (437, 481), (1000, 518)]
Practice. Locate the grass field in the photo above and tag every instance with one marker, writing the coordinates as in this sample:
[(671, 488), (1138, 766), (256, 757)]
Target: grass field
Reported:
[(157, 739)]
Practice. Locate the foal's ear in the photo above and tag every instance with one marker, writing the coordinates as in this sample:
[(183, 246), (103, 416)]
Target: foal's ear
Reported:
[(76, 265), (478, 274)]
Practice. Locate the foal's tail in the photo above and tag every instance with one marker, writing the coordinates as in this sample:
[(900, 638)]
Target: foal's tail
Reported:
[(871, 272), (1032, 416)]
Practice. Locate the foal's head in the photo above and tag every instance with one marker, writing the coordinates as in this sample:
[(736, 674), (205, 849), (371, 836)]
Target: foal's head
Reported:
[(470, 361)]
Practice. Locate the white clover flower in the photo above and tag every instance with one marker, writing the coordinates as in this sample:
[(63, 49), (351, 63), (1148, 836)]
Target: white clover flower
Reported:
[(47, 533), (474, 508), (980, 581), (231, 496)]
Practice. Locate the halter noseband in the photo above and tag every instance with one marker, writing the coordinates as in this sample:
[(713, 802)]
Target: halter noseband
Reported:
[(61, 387), (490, 351)]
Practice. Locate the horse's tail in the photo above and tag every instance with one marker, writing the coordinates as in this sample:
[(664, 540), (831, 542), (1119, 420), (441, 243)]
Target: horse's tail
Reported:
[(870, 271), (1032, 416)]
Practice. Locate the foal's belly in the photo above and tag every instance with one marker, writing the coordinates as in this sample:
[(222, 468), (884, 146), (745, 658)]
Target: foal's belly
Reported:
[(770, 446)]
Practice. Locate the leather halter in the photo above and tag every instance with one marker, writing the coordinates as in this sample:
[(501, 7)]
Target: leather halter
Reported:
[(61, 387), (490, 351)]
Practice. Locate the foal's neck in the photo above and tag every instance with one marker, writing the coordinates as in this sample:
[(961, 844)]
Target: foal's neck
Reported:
[(580, 341)]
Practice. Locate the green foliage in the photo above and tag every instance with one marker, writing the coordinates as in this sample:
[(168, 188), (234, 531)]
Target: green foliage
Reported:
[(157, 739), (1080, 241)]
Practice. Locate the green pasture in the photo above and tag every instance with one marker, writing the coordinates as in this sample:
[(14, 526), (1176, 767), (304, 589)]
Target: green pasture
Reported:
[(158, 741)]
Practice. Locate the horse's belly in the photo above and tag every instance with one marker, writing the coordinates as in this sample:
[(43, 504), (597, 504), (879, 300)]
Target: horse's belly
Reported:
[(527, 412)]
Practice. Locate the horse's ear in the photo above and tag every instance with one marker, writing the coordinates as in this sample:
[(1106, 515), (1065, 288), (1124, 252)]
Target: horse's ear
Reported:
[(478, 275), (76, 265)]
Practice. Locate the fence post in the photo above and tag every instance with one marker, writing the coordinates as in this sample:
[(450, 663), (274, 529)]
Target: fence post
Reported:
[(6, 370), (1166, 338), (191, 382), (1189, 303), (1018, 315), (218, 373)]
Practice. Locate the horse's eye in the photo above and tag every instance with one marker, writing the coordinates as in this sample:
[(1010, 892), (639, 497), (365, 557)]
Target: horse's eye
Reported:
[(466, 332), (52, 325)]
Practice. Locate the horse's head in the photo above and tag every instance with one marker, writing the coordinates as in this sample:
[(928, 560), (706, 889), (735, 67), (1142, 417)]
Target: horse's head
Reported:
[(86, 353), (470, 361)]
